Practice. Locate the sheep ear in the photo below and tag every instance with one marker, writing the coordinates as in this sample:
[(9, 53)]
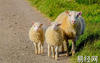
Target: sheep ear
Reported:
[(79, 13), (67, 12), (32, 23)]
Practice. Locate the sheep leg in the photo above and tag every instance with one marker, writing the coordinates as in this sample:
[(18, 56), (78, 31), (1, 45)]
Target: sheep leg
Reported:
[(67, 48), (56, 50), (42, 50), (53, 52), (49, 50), (73, 47), (36, 49), (62, 47), (39, 49)]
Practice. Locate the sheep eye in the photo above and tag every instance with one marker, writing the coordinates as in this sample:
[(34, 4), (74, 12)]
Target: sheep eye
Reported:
[(77, 16)]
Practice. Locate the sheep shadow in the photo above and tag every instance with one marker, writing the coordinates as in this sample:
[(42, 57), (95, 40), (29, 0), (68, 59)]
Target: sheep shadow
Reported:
[(83, 40), (86, 38)]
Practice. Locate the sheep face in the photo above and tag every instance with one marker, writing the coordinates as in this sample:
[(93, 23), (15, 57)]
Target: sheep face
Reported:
[(73, 16), (37, 26)]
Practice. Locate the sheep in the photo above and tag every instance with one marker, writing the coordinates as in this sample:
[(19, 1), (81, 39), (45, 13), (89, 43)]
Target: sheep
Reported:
[(36, 35), (54, 38), (73, 26)]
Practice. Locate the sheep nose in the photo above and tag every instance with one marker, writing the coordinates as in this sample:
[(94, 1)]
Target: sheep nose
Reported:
[(73, 21)]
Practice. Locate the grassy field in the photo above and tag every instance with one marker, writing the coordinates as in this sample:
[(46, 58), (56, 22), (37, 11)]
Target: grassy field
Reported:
[(89, 43)]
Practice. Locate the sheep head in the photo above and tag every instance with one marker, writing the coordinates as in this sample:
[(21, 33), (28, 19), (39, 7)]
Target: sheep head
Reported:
[(73, 16), (37, 26)]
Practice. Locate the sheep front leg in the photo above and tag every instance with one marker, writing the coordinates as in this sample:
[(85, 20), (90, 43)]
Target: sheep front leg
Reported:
[(39, 48), (73, 47), (56, 51), (49, 50), (36, 48), (53, 52)]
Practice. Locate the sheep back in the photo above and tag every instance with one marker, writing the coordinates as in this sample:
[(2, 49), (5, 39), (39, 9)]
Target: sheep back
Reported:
[(54, 38)]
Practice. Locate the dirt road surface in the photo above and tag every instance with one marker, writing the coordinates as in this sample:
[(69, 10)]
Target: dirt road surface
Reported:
[(16, 18)]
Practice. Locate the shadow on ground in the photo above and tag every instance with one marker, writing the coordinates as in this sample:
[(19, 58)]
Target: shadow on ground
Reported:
[(84, 39)]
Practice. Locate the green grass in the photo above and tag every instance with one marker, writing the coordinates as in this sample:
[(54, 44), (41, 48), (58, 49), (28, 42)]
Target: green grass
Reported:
[(88, 43), (88, 2), (90, 49)]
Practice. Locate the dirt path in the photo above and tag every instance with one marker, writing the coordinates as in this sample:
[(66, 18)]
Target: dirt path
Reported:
[(16, 17)]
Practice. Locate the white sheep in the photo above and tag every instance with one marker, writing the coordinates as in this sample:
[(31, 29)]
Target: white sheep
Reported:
[(36, 35), (54, 38), (72, 24)]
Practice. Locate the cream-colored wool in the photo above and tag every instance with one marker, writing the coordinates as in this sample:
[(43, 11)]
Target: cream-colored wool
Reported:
[(71, 30), (37, 37), (66, 26), (54, 39)]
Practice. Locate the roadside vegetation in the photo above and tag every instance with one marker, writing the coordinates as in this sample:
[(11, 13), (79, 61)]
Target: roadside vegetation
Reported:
[(88, 43)]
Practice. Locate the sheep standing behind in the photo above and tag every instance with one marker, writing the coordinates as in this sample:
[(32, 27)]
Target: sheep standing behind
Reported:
[(36, 35), (73, 25), (54, 38)]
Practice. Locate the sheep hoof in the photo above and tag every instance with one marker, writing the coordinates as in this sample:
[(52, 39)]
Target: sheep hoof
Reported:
[(73, 53), (53, 56), (36, 52), (67, 54), (39, 53), (56, 58)]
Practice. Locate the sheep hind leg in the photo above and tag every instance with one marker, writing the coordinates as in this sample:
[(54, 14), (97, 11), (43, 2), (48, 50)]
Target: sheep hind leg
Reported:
[(49, 50), (56, 53), (62, 47), (36, 48), (73, 47), (67, 48), (53, 52), (39, 48)]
